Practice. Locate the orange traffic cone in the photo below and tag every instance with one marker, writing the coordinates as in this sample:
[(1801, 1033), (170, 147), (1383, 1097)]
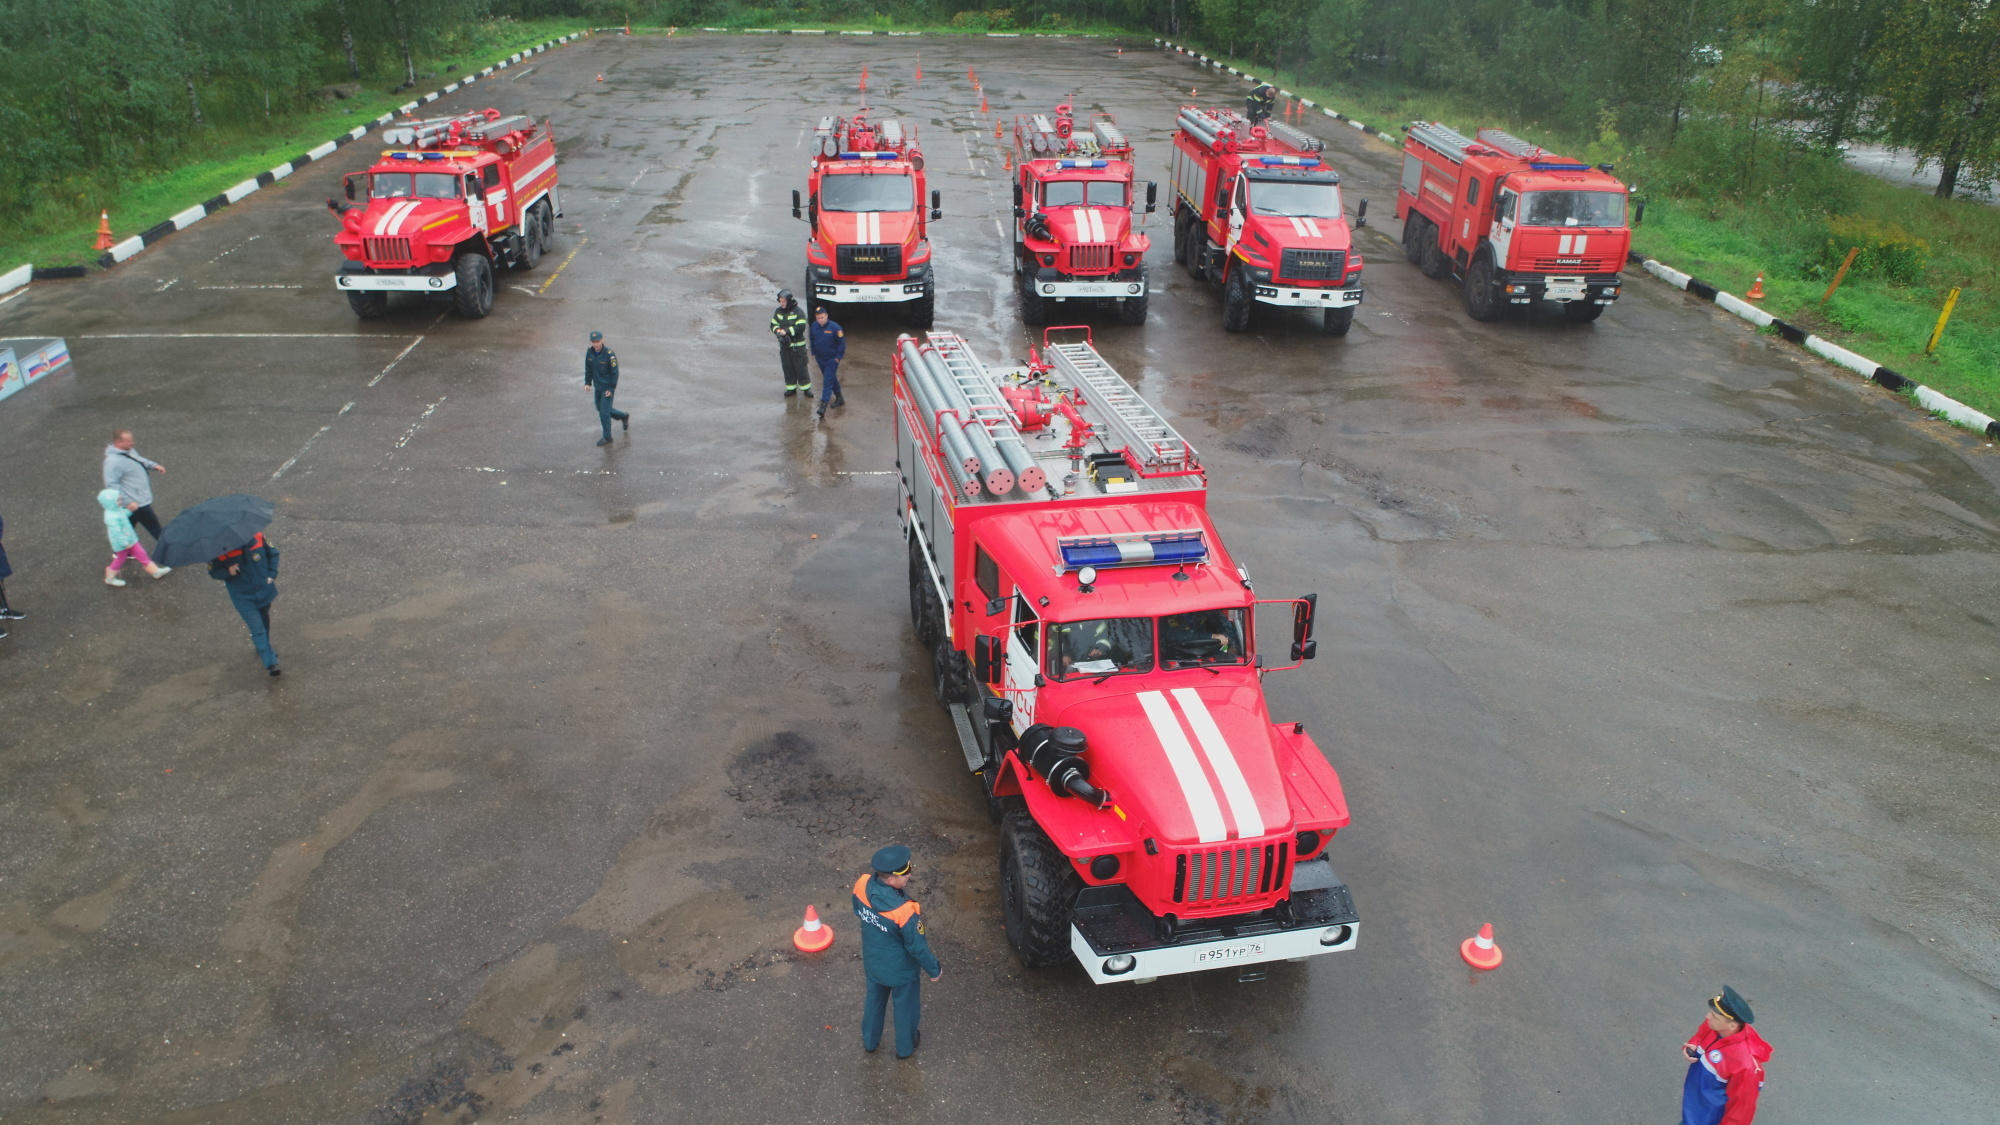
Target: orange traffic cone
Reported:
[(982, 101), (628, 25), (864, 77), (104, 239), (1479, 952), (1006, 160), (1756, 288), (600, 76), (815, 935), (999, 131)]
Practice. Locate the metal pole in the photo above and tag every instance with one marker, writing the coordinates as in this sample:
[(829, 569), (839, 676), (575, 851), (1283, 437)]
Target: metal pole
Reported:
[(1949, 301)]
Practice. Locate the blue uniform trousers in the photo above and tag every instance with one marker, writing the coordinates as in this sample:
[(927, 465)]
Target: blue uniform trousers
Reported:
[(257, 615), (909, 1012), (829, 378), (604, 411)]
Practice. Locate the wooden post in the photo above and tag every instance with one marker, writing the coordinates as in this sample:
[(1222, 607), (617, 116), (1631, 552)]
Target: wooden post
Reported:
[(1950, 300), (1840, 276)]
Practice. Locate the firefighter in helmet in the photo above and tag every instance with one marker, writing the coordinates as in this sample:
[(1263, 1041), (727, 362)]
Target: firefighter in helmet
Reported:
[(788, 324), (1258, 105)]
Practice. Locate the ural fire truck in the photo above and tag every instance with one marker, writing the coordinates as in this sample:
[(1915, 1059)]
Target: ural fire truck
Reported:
[(460, 198), (1095, 646), (1511, 222), (1073, 233), (1257, 211), (870, 241)]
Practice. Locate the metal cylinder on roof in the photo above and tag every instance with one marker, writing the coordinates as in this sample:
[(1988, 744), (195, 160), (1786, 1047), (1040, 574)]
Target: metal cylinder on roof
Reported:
[(1028, 476), (993, 470), (958, 453), (1203, 128)]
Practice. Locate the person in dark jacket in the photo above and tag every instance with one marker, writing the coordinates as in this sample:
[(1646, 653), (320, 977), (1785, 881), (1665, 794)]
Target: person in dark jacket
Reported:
[(600, 373), (7, 612), (829, 347), (788, 324), (1726, 1060), (251, 573), (893, 948)]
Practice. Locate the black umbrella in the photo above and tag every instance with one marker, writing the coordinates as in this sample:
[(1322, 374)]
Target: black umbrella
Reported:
[(210, 528)]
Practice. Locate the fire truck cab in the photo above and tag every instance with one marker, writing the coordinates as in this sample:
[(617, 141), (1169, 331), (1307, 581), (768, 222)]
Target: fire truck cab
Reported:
[(1257, 211), (1512, 223), (1096, 647), (1074, 238), (870, 240), (460, 197)]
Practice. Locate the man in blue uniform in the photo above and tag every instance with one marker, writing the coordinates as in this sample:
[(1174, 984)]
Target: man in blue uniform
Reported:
[(829, 347), (893, 948), (251, 574), (600, 374)]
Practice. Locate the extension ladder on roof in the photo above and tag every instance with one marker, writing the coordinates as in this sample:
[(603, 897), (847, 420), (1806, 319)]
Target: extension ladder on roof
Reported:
[(1145, 433)]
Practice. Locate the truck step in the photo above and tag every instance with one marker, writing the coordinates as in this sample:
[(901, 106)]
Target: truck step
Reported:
[(975, 758)]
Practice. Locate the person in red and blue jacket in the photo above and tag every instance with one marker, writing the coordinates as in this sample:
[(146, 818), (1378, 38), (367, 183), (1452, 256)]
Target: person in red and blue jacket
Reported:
[(893, 949), (1725, 1065)]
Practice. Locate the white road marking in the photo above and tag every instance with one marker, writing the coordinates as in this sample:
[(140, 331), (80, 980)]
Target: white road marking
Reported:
[(233, 336), (309, 442), (247, 287), (235, 248), (394, 362), (168, 284), (414, 426)]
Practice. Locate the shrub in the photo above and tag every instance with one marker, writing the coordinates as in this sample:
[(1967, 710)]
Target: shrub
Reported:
[(1887, 250)]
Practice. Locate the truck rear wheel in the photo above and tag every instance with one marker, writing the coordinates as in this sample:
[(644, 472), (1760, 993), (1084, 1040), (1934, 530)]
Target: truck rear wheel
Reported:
[(474, 295), (1197, 243), (530, 235), (1481, 302), (1413, 247), (1038, 889), (1181, 237), (1433, 261), (368, 303), (1338, 321), (1236, 302), (926, 612), (1034, 310), (1578, 312), (950, 677)]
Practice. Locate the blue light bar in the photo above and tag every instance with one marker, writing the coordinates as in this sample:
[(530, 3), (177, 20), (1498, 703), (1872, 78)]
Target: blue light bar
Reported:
[(1083, 164), (1154, 548), (1559, 167), (1302, 161), (869, 155)]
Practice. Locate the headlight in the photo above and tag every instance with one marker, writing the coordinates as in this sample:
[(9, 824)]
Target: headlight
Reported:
[(1308, 843), (1104, 867), (1133, 289), (1335, 935), (1122, 964), (346, 281), (1131, 259), (1048, 288), (437, 283)]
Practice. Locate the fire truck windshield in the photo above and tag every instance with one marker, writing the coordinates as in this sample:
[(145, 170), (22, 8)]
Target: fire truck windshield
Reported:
[(1083, 193), (1209, 636), (1573, 209), (1100, 648), (863, 191), (1291, 199), (414, 185)]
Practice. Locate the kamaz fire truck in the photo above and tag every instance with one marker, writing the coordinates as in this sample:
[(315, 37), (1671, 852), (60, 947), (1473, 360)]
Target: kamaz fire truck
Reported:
[(1096, 648), (1074, 238), (870, 241), (1511, 222), (1257, 211), (461, 197)]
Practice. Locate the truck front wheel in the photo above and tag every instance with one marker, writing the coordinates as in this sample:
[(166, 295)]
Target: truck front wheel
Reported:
[(1481, 301), (923, 310), (1338, 321), (1038, 889), (474, 295), (1133, 309), (1236, 302), (368, 303), (1034, 310)]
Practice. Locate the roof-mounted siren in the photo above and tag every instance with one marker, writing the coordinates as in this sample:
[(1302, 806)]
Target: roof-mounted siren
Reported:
[(827, 135), (1443, 138), (1135, 548), (1109, 136), (1510, 144), (1295, 137)]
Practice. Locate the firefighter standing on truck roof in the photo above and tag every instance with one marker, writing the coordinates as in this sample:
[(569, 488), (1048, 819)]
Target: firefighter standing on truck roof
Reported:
[(893, 948), (788, 324), (1260, 102), (600, 374)]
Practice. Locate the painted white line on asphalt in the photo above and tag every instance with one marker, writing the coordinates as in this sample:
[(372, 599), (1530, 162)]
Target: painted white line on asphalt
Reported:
[(231, 336), (21, 292), (249, 287), (414, 426), (167, 284), (309, 442), (394, 362), (865, 473)]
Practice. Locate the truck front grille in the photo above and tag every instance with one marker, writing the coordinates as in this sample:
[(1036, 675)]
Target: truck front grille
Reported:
[(1226, 874), (1313, 265), (386, 249), (1091, 257), (871, 260), (1569, 266)]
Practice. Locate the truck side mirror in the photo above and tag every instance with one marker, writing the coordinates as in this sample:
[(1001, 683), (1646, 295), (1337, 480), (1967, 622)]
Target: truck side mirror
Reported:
[(1638, 212), (350, 189), (1018, 212), (937, 205), (798, 211), (1152, 197), (995, 605), (1303, 611), (985, 659), (1361, 214)]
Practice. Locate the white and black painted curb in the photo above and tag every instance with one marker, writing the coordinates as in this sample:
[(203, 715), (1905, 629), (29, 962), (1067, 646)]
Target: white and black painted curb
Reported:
[(21, 275), (1203, 60), (1949, 408)]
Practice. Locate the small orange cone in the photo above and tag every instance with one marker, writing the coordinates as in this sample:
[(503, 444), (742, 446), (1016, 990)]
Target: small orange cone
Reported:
[(104, 239), (999, 133), (816, 935), (1479, 952), (864, 77), (628, 25), (1006, 160), (982, 101), (600, 76), (1756, 288)]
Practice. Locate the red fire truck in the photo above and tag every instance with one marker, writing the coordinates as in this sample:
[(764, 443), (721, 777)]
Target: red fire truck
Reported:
[(1513, 223), (1257, 211), (462, 196), (1073, 233), (1096, 647), (870, 241)]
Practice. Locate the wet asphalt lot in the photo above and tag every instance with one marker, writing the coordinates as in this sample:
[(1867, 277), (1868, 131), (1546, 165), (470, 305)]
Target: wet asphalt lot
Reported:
[(1654, 642)]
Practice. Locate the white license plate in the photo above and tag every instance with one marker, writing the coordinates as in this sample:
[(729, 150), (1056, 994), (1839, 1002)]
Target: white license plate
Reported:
[(1565, 292), (1088, 290), (1223, 954)]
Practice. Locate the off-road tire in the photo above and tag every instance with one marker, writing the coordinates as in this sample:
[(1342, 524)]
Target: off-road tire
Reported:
[(368, 303), (530, 236), (1038, 889), (1336, 322), (951, 676), (1034, 310), (1132, 310), (1413, 246), (1236, 301), (923, 311), (474, 295), (1433, 263), (547, 212), (1579, 312), (1180, 237), (1197, 243), (1481, 301), (926, 612)]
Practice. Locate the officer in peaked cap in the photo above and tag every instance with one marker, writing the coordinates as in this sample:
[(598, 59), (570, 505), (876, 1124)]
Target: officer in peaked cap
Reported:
[(1726, 1060), (893, 948), (600, 374)]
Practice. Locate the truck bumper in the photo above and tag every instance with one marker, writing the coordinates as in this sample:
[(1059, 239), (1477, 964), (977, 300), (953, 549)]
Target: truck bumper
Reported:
[(1116, 939), (426, 279), (869, 292), (1308, 298), (1102, 288), (1527, 288)]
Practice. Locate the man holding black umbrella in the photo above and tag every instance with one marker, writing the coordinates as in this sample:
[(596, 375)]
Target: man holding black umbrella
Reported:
[(228, 533), (251, 573)]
